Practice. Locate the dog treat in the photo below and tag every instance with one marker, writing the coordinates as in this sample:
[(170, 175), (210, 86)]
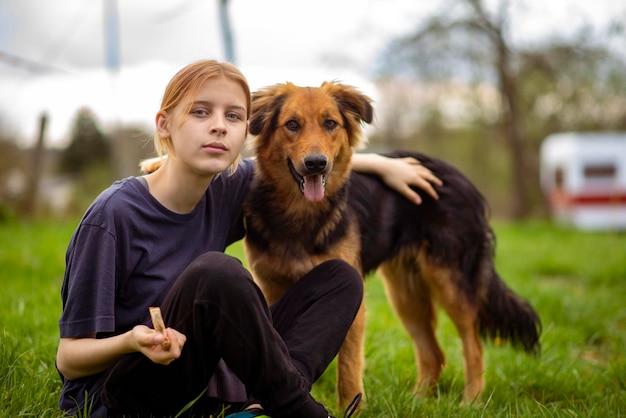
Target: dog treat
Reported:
[(159, 325)]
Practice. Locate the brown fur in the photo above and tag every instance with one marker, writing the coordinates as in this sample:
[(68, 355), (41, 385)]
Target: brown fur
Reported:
[(439, 251)]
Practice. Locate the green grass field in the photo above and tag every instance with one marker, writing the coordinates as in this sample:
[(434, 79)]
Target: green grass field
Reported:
[(575, 280)]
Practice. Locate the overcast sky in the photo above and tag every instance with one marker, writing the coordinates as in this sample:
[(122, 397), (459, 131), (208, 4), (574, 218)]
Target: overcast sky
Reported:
[(61, 48)]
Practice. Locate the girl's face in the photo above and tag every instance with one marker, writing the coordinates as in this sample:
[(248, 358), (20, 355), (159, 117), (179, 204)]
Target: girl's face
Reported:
[(212, 133)]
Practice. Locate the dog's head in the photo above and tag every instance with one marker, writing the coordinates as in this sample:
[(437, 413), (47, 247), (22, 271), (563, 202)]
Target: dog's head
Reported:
[(308, 133)]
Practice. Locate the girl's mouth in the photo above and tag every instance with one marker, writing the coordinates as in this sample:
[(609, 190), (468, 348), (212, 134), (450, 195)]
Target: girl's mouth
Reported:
[(215, 147)]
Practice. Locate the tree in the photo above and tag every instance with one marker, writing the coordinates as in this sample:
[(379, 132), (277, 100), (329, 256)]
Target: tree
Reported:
[(88, 145), (11, 165), (469, 42)]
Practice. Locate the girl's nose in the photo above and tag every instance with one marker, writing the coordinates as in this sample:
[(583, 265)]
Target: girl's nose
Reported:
[(219, 125)]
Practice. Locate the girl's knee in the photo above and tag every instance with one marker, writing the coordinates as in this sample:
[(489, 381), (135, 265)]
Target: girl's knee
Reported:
[(217, 262), (216, 269), (342, 275)]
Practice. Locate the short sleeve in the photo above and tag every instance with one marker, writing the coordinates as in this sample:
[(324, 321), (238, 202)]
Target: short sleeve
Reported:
[(88, 291)]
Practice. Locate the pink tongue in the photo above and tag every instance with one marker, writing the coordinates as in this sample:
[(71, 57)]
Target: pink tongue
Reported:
[(313, 188)]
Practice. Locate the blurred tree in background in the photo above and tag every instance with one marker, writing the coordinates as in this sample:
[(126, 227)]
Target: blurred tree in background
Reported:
[(505, 98), (11, 163), (100, 159), (44, 181), (86, 163), (462, 86), (88, 145)]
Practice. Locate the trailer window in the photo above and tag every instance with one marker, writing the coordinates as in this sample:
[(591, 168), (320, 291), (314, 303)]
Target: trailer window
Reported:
[(600, 172)]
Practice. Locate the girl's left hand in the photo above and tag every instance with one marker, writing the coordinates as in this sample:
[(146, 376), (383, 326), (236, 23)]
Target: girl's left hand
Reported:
[(149, 342), (402, 173)]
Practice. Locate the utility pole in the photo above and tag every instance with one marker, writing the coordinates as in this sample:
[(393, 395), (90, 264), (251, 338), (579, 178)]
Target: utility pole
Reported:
[(111, 36), (31, 194), (227, 34)]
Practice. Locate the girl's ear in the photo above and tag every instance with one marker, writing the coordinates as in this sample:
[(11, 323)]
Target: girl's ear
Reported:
[(162, 124)]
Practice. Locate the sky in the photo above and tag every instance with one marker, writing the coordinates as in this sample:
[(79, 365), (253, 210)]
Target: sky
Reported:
[(52, 53)]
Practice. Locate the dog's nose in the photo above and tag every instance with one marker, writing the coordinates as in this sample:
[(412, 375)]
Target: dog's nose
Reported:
[(315, 163)]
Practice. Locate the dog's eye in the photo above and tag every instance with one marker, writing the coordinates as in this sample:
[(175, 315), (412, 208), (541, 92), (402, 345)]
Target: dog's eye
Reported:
[(292, 125), (330, 124)]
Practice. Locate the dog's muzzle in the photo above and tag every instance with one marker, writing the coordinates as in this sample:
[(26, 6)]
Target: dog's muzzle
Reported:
[(312, 181)]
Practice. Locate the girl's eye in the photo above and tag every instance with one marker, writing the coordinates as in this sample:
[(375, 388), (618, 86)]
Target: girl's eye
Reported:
[(199, 112), (233, 116)]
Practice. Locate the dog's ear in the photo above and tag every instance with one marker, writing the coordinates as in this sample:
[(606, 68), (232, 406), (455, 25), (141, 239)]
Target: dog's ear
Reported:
[(351, 101), (266, 106), (355, 107)]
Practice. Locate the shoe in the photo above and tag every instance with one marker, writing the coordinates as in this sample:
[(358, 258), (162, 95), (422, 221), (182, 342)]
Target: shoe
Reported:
[(249, 413), (351, 409), (259, 413)]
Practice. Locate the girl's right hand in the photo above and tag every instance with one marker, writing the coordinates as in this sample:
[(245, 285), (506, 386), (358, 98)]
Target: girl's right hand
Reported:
[(148, 341)]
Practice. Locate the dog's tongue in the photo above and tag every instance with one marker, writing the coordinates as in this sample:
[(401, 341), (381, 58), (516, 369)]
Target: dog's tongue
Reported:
[(313, 188)]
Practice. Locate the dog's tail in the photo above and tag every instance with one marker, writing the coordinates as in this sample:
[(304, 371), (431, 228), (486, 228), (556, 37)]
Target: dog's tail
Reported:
[(505, 316)]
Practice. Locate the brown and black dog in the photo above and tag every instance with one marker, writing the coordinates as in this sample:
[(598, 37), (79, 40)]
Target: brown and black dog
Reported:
[(305, 206)]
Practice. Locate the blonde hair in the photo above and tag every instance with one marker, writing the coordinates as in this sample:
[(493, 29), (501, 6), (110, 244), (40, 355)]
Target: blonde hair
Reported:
[(185, 86)]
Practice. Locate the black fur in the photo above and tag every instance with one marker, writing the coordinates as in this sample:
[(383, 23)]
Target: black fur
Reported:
[(456, 231)]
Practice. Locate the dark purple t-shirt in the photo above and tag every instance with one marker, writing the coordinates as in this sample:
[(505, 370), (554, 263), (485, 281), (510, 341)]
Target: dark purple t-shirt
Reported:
[(126, 254)]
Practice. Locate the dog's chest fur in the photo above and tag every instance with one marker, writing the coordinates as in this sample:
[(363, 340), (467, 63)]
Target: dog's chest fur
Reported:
[(287, 241)]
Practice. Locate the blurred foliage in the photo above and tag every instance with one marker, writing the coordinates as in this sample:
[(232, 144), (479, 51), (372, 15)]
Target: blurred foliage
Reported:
[(11, 163), (456, 87), (88, 145), (11, 159), (508, 96), (100, 159), (72, 177)]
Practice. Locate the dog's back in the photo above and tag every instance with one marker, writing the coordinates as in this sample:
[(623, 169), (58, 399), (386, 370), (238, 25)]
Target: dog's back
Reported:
[(452, 233), (390, 223)]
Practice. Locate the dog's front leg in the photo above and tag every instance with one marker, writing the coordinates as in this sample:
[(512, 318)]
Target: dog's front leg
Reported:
[(350, 362)]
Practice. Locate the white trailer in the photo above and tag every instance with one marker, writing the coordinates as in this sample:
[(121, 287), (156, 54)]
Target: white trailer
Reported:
[(583, 176)]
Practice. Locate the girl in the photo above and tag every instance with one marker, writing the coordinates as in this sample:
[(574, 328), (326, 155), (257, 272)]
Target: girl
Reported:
[(158, 240)]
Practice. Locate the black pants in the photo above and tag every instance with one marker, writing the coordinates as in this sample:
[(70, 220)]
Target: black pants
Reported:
[(223, 314)]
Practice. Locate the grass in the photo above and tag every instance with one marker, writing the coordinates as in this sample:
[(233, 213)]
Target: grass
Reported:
[(576, 281)]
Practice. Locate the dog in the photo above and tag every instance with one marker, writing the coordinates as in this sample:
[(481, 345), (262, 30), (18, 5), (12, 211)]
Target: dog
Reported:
[(305, 206)]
